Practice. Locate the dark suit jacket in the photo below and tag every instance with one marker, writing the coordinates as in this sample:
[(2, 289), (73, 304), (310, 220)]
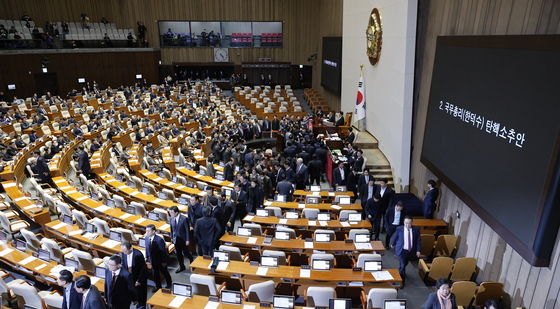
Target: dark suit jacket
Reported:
[(286, 188), (180, 232), (75, 299), (156, 251), (350, 138), (122, 293), (340, 121), (398, 240), (138, 266), (390, 217), (94, 299), (433, 303), (431, 198), (386, 198), (83, 163), (228, 172), (290, 175), (302, 176), (275, 125), (364, 192), (337, 177), (362, 180), (373, 209), (206, 231), (315, 167)]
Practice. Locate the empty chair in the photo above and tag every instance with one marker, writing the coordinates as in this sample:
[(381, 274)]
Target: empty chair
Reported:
[(376, 297), (151, 188), (137, 182), (169, 193), (12, 227), (139, 209), (182, 180), (464, 292), (343, 216), (316, 296), (488, 290), (427, 241), (85, 260), (256, 229), (37, 299), (261, 292), (234, 253), (291, 231), (102, 226), (439, 268), (56, 253), (319, 231), (280, 255), (310, 213), (64, 208), (463, 269), (277, 211), (119, 201), (127, 234), (363, 257), (446, 245), (163, 215), (205, 285), (167, 173), (33, 243), (83, 180)]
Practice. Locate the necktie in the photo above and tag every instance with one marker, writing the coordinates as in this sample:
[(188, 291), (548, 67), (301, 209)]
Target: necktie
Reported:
[(114, 279), (409, 239)]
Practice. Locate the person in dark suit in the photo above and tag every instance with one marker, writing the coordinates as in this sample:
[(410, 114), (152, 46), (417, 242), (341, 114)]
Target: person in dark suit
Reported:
[(339, 119), (372, 211), (286, 188), (407, 245), (280, 174), (290, 173), (91, 298), (266, 125), (315, 168), (302, 174), (83, 162), (239, 199), (364, 178), (394, 217), (429, 203), (386, 194), (119, 285), (442, 298), (340, 175), (228, 170), (352, 183), (156, 256), (358, 162), (228, 209), (42, 169), (206, 231), (255, 197), (275, 125), (133, 261), (180, 228), (367, 192), (71, 299), (351, 136)]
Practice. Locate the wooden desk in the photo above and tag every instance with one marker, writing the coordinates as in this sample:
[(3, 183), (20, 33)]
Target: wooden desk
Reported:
[(323, 194), (168, 184), (335, 276), (132, 194), (39, 270), (321, 206), (116, 215), (303, 223), (431, 226), (73, 235), (31, 210), (211, 181), (299, 244), (161, 300)]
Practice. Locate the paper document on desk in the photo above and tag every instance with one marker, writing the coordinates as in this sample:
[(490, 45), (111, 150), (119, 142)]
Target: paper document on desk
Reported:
[(252, 240), (249, 218), (134, 193), (90, 236), (382, 275), (81, 198), (177, 301), (323, 223), (76, 232), (40, 266), (140, 221), (27, 260), (261, 271), (157, 200), (283, 221), (216, 181), (212, 305), (267, 203), (336, 207), (308, 245), (110, 243), (311, 223), (305, 273), (102, 208), (301, 206), (61, 224), (363, 246), (222, 266), (158, 179), (124, 216), (180, 187), (332, 194), (249, 306), (164, 226), (345, 224), (94, 280)]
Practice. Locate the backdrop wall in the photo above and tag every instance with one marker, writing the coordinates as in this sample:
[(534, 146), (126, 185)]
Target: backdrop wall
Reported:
[(389, 84)]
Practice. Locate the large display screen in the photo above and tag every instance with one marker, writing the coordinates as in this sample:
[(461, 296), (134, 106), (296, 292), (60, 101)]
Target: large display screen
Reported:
[(331, 64), (492, 133)]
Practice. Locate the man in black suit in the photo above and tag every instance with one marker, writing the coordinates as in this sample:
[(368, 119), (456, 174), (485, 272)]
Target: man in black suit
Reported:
[(228, 170), (352, 183), (373, 214), (290, 173), (180, 229), (239, 199), (156, 256), (275, 124), (42, 169), (386, 194), (315, 168), (119, 285), (364, 178), (429, 204), (71, 298), (366, 192), (302, 174), (255, 197), (394, 217), (359, 161), (285, 188), (206, 231), (133, 261), (91, 298), (227, 210), (340, 175), (83, 162), (351, 136)]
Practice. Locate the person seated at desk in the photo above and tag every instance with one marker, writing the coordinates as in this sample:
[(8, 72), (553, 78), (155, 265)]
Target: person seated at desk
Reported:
[(339, 119), (442, 298)]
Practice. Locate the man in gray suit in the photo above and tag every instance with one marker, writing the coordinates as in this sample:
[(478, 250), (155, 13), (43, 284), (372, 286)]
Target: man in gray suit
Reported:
[(91, 298)]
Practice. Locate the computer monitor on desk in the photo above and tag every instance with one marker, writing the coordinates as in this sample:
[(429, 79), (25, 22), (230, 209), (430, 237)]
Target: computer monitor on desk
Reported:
[(340, 303), (180, 289), (355, 217), (323, 237), (71, 263), (395, 304), (243, 231), (100, 272), (282, 235), (373, 265), (344, 200), (116, 236), (269, 261), (44, 255), (262, 212), (362, 238), (282, 302), (280, 198), (315, 188), (231, 297), (319, 264), (142, 242), (222, 256)]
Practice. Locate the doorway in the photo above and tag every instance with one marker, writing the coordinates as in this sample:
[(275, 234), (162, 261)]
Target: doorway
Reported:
[(46, 82)]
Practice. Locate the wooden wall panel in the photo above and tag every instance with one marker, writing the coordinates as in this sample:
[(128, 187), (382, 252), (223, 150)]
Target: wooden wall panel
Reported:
[(107, 68), (305, 23), (528, 286)]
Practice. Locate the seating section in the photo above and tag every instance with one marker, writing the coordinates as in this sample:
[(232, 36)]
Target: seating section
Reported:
[(315, 100)]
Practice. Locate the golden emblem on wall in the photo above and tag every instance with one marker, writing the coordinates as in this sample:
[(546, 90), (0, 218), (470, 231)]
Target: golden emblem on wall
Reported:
[(373, 36)]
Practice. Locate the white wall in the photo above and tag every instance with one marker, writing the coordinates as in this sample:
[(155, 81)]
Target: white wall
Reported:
[(389, 84)]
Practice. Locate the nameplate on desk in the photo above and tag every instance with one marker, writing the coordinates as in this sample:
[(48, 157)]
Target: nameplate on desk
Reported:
[(9, 185), (177, 301), (197, 176), (124, 216), (102, 208), (216, 181), (61, 224), (262, 271), (308, 245), (222, 266), (122, 187), (212, 305), (81, 198), (76, 232), (249, 218), (301, 205), (363, 246), (180, 187), (27, 260), (110, 243), (252, 240), (331, 194), (164, 226), (305, 273), (139, 221)]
